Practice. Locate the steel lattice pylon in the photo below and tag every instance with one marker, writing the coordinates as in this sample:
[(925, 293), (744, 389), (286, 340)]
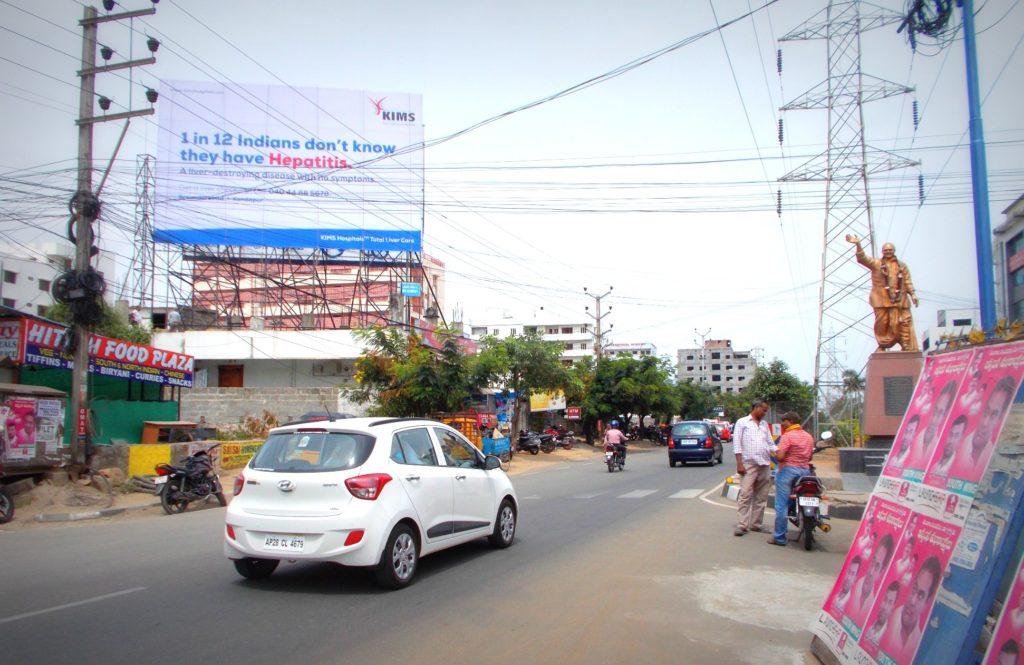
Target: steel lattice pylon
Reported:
[(844, 167), (138, 285)]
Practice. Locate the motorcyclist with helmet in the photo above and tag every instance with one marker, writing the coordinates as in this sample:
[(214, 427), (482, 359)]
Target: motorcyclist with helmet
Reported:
[(614, 436)]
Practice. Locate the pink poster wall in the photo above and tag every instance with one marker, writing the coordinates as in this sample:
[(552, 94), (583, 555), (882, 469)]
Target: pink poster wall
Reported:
[(1008, 636)]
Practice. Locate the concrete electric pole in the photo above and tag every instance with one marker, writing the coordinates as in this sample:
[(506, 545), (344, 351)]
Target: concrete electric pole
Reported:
[(82, 287), (598, 339)]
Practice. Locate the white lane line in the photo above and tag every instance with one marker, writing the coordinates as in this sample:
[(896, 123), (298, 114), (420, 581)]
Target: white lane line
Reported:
[(95, 599), (686, 494), (637, 494), (588, 496)]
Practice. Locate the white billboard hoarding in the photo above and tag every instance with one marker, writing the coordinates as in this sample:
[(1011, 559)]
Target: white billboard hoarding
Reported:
[(277, 166)]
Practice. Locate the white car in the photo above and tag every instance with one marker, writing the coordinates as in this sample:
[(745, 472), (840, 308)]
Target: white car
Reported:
[(378, 492)]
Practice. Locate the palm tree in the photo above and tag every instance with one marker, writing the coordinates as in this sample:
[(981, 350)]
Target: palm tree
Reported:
[(853, 382)]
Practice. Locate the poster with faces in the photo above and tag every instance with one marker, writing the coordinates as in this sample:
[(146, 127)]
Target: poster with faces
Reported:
[(1008, 636), (934, 398), (907, 591)]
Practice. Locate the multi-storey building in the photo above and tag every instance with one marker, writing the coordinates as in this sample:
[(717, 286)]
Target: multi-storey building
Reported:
[(28, 276), (952, 323), (577, 339), (1008, 255), (718, 365), (633, 350)]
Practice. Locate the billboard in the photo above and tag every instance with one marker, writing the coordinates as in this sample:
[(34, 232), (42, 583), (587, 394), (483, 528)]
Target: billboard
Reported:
[(286, 167)]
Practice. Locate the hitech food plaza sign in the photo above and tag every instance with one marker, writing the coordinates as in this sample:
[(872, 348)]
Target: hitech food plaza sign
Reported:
[(43, 345), (277, 166)]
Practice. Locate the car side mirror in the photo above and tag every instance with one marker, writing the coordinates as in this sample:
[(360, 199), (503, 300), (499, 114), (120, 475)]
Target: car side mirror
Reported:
[(491, 462)]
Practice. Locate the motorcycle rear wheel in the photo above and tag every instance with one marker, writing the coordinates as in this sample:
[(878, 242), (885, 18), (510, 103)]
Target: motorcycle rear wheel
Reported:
[(808, 534), (172, 506), (6, 507)]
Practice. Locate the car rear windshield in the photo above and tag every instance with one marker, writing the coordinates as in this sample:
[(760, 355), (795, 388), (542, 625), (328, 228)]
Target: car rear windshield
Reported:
[(689, 429), (313, 451)]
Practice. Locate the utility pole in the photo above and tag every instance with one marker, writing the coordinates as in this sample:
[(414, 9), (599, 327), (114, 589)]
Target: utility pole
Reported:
[(82, 287), (598, 340), (703, 336)]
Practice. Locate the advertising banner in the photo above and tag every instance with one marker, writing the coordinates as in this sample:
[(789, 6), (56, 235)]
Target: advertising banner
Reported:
[(10, 338), (921, 526), (44, 343), (31, 429), (1008, 636), (280, 166)]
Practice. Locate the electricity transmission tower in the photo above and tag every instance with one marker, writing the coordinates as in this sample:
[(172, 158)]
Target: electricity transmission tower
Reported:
[(844, 167)]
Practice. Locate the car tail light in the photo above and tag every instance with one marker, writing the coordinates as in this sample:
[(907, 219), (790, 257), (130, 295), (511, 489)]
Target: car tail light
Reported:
[(239, 484), (671, 442), (231, 532), (707, 442), (369, 486), (354, 537)]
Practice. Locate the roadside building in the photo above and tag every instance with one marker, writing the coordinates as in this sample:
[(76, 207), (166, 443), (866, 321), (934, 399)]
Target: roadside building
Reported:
[(950, 323), (717, 365), (577, 339), (1008, 256), (632, 349)]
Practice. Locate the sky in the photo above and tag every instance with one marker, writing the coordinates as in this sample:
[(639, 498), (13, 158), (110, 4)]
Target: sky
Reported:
[(660, 182)]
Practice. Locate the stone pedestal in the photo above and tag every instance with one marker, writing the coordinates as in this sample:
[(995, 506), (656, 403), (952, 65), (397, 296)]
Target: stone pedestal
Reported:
[(889, 386)]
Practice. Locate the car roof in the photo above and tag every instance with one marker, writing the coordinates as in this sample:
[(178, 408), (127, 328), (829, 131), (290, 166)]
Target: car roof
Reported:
[(357, 424)]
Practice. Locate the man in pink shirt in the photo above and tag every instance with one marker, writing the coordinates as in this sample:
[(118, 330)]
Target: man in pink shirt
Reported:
[(794, 453)]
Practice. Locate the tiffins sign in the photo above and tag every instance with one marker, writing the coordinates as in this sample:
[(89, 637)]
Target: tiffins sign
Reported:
[(43, 344)]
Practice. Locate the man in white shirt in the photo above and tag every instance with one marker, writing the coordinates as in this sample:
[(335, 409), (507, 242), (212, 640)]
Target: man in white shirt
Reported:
[(752, 443)]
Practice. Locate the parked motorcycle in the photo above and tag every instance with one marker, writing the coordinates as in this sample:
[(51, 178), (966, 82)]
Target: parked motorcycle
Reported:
[(6, 501), (530, 442), (195, 480), (805, 503), (615, 456), (562, 438)]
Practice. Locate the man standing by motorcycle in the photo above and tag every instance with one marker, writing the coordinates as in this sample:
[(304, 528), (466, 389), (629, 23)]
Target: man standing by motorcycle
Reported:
[(614, 436), (752, 443), (794, 453)]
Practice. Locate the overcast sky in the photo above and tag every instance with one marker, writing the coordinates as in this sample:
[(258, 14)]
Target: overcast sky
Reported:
[(660, 182)]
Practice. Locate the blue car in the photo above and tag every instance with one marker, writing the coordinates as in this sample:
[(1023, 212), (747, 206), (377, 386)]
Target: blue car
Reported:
[(694, 441)]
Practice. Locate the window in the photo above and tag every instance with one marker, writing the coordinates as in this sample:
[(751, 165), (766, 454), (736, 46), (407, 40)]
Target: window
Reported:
[(717, 378), (689, 357), (742, 378), (9, 302), (566, 330), (10, 277), (568, 346), (728, 366), (495, 332), (962, 322), (457, 451), (529, 329), (689, 368), (44, 285), (584, 346), (415, 447), (742, 367), (715, 355), (313, 451), (479, 330), (729, 389), (552, 331), (41, 310), (716, 366)]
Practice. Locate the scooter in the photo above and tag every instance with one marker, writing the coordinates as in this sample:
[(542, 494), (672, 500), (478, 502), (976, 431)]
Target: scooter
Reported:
[(805, 508), (562, 438), (614, 456), (530, 442)]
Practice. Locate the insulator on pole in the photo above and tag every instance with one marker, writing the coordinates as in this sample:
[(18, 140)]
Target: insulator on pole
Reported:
[(778, 202), (917, 115), (778, 60), (920, 189), (780, 131)]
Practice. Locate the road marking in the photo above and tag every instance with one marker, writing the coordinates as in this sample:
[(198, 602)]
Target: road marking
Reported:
[(94, 599), (588, 496), (637, 494), (531, 497), (686, 494)]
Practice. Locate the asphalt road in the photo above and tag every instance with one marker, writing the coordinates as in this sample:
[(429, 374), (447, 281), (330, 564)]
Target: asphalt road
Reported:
[(630, 567)]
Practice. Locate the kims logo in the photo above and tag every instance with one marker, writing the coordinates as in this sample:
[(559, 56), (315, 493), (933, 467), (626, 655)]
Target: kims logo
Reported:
[(391, 116)]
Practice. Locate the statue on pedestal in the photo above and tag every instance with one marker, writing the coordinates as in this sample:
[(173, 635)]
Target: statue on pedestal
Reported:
[(892, 291)]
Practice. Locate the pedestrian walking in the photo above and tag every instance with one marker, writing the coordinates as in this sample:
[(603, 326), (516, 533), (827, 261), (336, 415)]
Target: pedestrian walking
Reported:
[(752, 443), (794, 452)]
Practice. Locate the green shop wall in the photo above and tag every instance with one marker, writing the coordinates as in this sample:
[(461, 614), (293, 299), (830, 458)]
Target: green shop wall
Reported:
[(120, 407)]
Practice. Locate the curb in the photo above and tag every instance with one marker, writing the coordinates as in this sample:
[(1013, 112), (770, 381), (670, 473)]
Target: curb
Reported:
[(92, 515), (840, 511)]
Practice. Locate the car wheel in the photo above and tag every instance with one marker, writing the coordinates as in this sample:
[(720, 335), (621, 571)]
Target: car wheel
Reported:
[(256, 569), (6, 507), (671, 464), (504, 526), (398, 561)]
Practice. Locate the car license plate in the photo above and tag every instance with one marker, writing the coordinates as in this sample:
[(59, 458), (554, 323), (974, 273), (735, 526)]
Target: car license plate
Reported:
[(160, 480), (284, 543), (809, 501)]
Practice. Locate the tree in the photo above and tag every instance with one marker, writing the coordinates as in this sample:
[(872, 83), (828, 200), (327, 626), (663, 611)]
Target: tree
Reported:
[(630, 387), (783, 390), (113, 324), (404, 377), (522, 363)]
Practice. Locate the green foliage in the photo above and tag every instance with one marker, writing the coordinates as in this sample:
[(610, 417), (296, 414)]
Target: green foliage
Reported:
[(523, 363), (694, 401), (403, 377), (629, 386), (114, 324), (782, 389)]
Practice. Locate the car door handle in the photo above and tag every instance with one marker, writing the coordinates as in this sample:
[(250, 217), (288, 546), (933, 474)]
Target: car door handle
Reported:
[(461, 476), (412, 477)]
